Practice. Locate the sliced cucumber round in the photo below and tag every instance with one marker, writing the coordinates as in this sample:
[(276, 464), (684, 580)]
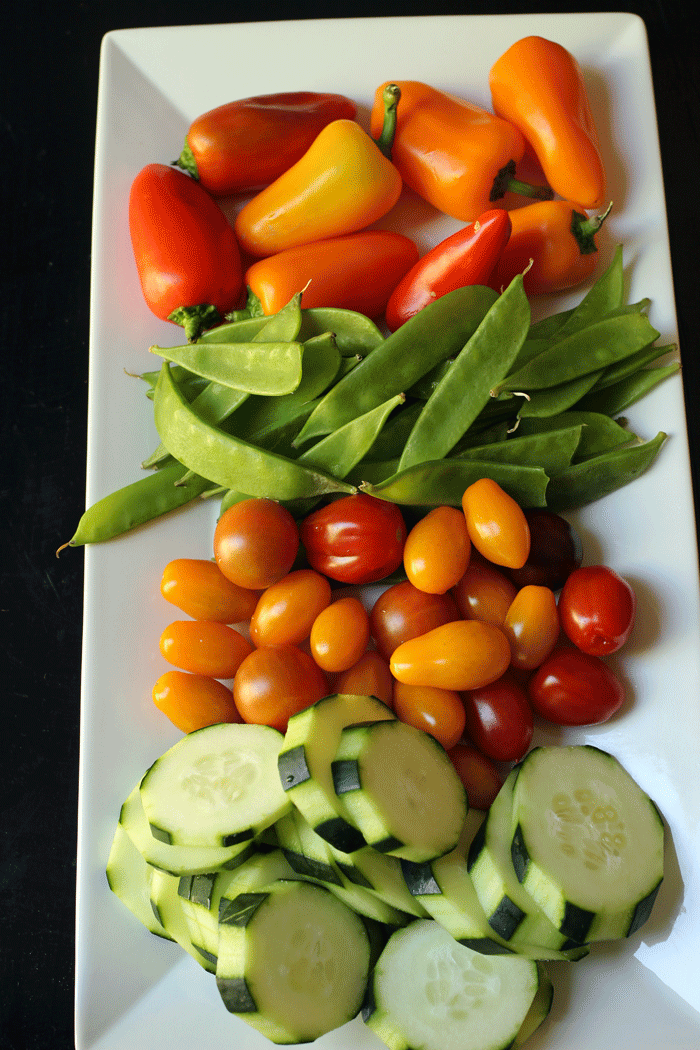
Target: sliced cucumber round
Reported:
[(215, 787), (129, 877), (168, 905), (587, 841), (428, 991), (539, 1010), (304, 763), (400, 789)]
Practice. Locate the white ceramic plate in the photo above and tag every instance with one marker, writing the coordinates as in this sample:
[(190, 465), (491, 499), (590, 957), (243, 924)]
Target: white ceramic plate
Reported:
[(135, 992)]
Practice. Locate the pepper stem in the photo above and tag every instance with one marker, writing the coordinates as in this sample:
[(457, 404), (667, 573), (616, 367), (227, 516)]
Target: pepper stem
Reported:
[(390, 98), (194, 319), (584, 229), (187, 161), (506, 181)]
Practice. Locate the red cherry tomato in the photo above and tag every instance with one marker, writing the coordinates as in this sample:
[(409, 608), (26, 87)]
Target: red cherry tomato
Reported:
[(573, 688), (255, 543), (356, 539), (597, 609), (185, 250), (286, 610), (484, 593), (439, 712), (404, 612), (274, 683), (437, 550), (200, 589), (478, 774), (499, 719), (555, 551)]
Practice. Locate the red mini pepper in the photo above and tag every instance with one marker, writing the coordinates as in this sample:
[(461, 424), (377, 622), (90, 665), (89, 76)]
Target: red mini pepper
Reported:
[(186, 252), (466, 257), (247, 144)]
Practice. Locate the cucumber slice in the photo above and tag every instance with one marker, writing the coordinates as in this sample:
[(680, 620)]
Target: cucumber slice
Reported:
[(510, 910), (400, 789), (381, 875), (293, 961), (445, 889), (539, 1010), (176, 860), (310, 744), (428, 991), (218, 786), (129, 877), (587, 841), (168, 905)]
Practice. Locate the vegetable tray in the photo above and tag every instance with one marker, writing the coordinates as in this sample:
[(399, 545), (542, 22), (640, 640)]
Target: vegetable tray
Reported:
[(135, 991)]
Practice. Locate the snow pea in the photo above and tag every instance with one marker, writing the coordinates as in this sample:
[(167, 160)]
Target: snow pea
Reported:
[(598, 476), (463, 391), (230, 461), (354, 333), (552, 451), (599, 433), (606, 294), (443, 481), (558, 398), (615, 399), (433, 334), (256, 368), (390, 442), (623, 369), (340, 451)]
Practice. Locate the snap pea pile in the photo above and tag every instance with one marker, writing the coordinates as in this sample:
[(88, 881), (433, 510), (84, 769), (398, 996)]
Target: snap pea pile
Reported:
[(313, 403)]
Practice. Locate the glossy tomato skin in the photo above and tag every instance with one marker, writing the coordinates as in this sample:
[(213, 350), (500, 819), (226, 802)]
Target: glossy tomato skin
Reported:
[(286, 611), (439, 712), (204, 647), (463, 654), (403, 612), (499, 719), (369, 676), (597, 609), (437, 550), (255, 543), (555, 551), (185, 250), (275, 682), (478, 774), (532, 626), (356, 539), (497, 525), (484, 593), (200, 589), (339, 634), (192, 701), (573, 688)]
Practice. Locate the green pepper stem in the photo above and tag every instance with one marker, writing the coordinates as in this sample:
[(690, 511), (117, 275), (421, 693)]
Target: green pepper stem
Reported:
[(506, 181), (584, 229), (195, 319), (187, 161), (390, 98)]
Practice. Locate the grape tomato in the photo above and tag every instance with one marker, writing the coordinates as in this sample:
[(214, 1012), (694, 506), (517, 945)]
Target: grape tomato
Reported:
[(439, 712), (478, 774), (339, 634), (463, 654), (555, 551), (497, 525), (532, 626), (355, 539), (199, 588), (437, 550), (403, 612), (597, 609), (192, 701), (255, 543), (573, 688), (204, 647), (484, 593), (275, 682), (286, 611), (369, 676), (499, 719)]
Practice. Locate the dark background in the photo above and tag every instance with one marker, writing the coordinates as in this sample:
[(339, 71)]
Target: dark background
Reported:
[(48, 95)]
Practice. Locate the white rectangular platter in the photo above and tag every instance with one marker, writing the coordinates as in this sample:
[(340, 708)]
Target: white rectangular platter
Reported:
[(136, 992)]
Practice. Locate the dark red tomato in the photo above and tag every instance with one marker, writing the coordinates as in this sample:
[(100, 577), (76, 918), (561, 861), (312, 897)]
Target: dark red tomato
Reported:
[(357, 539), (403, 612), (480, 777), (185, 249), (255, 543), (555, 551), (572, 688), (499, 719), (597, 609)]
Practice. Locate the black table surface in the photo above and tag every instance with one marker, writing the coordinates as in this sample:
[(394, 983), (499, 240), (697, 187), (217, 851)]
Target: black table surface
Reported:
[(47, 121)]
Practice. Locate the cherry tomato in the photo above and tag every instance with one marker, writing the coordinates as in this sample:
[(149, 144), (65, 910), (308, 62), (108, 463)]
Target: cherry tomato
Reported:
[(274, 683), (204, 647), (497, 526), (555, 551), (573, 688), (356, 539), (370, 676), (478, 774), (286, 610), (439, 712), (499, 719), (403, 612), (464, 654), (339, 634), (437, 549), (201, 590), (597, 609), (484, 593), (532, 626), (192, 701), (255, 543)]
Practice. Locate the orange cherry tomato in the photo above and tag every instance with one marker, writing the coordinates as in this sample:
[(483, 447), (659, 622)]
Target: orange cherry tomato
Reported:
[(255, 543), (286, 610), (484, 593), (201, 590), (339, 634), (370, 676), (439, 712), (479, 775), (497, 526), (204, 647), (192, 701), (275, 682), (532, 626), (437, 549), (464, 654), (403, 612)]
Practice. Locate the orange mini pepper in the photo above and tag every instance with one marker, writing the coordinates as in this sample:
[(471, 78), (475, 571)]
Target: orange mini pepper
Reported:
[(555, 241), (538, 86), (457, 156), (343, 183), (357, 272)]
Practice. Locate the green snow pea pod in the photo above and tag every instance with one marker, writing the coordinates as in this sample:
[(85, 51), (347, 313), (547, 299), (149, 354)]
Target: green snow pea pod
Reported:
[(390, 442), (243, 331), (443, 481), (426, 384), (354, 333), (340, 451), (623, 369), (552, 451), (556, 399), (229, 461), (465, 388), (438, 331), (606, 294), (599, 433), (256, 368), (372, 471), (547, 327), (615, 399), (598, 476), (150, 497)]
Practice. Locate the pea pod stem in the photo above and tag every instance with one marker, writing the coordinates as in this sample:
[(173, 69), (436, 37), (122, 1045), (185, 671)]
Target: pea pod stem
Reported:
[(590, 480)]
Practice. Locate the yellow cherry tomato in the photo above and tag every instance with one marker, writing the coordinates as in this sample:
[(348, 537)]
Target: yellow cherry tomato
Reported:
[(437, 549), (192, 701), (464, 654), (204, 647), (339, 635), (497, 526), (439, 712), (201, 590), (532, 626), (286, 610)]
